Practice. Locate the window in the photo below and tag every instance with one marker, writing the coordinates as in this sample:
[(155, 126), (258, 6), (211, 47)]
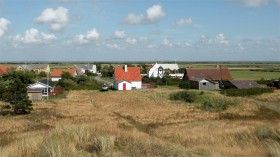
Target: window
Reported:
[(133, 88), (204, 83), (45, 91)]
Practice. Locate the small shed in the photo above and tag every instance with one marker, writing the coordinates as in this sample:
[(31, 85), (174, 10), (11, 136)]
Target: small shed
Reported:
[(203, 84), (244, 84), (35, 94)]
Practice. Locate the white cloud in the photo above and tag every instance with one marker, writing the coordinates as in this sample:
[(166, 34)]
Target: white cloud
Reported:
[(278, 2), (167, 42), (57, 18), (221, 39), (131, 41), (120, 34), (91, 35), (4, 26), (251, 3), (113, 46), (34, 36), (183, 22), (153, 14)]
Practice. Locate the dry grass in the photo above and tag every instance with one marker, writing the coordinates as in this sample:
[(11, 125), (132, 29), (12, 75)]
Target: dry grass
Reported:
[(137, 123)]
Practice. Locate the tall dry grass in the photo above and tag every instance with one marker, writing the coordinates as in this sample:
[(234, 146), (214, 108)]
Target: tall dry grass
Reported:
[(138, 123)]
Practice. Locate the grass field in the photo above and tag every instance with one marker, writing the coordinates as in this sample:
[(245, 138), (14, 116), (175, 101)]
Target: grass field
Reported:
[(254, 75), (140, 123)]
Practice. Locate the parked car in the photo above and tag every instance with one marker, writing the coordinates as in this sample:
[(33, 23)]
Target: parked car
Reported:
[(104, 87), (274, 84)]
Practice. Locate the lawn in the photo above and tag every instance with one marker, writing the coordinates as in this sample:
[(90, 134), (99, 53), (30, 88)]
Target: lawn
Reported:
[(254, 75)]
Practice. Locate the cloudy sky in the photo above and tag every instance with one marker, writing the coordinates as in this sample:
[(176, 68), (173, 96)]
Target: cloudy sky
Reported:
[(139, 30)]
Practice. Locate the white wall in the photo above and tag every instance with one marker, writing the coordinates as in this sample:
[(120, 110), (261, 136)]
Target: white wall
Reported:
[(129, 85), (56, 78)]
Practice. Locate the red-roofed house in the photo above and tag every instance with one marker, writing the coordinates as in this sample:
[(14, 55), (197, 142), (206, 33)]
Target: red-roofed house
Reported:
[(56, 73), (4, 69), (127, 78)]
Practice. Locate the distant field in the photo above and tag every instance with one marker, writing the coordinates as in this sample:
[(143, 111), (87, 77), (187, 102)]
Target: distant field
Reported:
[(254, 75)]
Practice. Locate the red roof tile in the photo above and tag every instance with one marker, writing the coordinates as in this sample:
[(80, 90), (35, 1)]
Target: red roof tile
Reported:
[(212, 74), (4, 69), (132, 74), (58, 72)]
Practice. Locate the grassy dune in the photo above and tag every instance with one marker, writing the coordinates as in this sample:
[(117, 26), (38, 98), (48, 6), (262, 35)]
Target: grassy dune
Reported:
[(139, 123)]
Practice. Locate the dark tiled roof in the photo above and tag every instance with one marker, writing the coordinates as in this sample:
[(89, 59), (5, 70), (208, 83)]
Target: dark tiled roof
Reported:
[(211, 74), (132, 74), (33, 66), (244, 84)]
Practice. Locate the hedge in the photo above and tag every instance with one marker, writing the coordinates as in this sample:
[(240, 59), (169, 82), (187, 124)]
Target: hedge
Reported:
[(246, 92)]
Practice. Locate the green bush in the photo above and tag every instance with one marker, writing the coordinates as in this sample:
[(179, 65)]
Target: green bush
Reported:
[(246, 92), (184, 85), (187, 96), (216, 104), (162, 81)]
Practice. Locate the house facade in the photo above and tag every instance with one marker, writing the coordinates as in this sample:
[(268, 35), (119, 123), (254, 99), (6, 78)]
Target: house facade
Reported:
[(203, 84), (86, 68), (37, 68), (157, 70), (40, 89), (57, 73), (127, 78)]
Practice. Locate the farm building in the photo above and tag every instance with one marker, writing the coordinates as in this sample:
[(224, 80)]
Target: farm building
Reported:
[(210, 74), (127, 78), (4, 69), (37, 68), (244, 84), (86, 68), (56, 73), (206, 79), (203, 84), (157, 70)]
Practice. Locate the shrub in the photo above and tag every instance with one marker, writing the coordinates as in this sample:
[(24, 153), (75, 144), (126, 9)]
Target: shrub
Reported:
[(246, 92), (186, 96), (217, 104), (184, 85)]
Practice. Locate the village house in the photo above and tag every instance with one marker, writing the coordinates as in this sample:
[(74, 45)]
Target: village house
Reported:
[(206, 79), (56, 73), (86, 68), (4, 69), (127, 78), (158, 70), (37, 68), (40, 89)]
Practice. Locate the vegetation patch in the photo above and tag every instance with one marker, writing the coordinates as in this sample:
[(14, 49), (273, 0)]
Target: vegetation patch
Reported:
[(246, 92), (207, 101)]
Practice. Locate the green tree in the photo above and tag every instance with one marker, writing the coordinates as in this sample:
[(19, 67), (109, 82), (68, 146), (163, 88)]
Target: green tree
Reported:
[(14, 86), (67, 75), (42, 74)]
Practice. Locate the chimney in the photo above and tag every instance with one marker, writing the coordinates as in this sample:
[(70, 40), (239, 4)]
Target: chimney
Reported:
[(125, 68)]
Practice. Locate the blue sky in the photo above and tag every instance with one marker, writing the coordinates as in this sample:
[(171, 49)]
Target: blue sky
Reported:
[(139, 30)]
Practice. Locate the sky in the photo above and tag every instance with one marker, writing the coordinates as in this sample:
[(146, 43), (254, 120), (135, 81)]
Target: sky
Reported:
[(139, 30)]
